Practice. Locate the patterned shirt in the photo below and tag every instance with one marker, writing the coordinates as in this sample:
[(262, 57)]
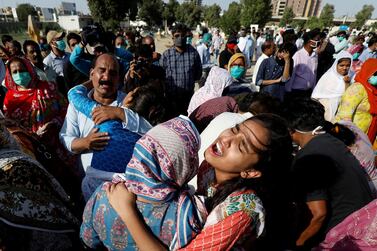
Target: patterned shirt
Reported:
[(182, 69), (355, 107)]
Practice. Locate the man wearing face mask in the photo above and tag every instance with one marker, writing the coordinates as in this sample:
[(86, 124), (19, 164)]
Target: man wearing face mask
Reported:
[(57, 58), (305, 60), (371, 51), (183, 67), (343, 42)]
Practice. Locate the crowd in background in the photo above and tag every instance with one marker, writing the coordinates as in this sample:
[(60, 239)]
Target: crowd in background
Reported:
[(253, 142)]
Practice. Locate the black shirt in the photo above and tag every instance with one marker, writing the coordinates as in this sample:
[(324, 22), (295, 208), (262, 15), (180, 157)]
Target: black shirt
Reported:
[(326, 170)]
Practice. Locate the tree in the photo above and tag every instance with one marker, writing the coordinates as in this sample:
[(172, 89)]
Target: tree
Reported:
[(299, 24), (111, 12), (255, 12), (230, 21), (212, 15), (151, 11), (287, 17), (24, 10), (327, 15), (313, 23), (363, 15), (189, 13), (373, 26), (169, 11)]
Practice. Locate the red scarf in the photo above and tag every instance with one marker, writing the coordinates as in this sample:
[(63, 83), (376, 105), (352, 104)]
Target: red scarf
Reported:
[(35, 106), (367, 70)]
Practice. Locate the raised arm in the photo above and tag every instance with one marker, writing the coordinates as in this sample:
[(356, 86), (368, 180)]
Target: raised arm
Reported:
[(124, 204)]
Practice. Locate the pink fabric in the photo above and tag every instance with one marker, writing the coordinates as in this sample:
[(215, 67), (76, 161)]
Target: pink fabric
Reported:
[(356, 232), (218, 79)]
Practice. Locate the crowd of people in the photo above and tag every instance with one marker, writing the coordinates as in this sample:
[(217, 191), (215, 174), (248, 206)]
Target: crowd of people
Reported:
[(107, 144)]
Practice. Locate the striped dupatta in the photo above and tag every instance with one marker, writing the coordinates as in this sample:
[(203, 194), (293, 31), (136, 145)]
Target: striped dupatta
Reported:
[(164, 160)]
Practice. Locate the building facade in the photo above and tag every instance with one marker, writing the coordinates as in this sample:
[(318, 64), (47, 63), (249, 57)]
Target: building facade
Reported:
[(301, 8)]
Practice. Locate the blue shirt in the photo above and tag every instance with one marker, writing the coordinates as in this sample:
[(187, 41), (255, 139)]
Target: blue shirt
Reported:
[(78, 125), (83, 65), (270, 70), (367, 53), (55, 63), (182, 69)]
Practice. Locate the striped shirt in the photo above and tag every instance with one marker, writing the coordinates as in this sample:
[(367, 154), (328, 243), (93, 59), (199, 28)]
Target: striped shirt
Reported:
[(182, 69)]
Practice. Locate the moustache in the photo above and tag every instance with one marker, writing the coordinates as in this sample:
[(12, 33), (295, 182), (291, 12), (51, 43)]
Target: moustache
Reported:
[(105, 82)]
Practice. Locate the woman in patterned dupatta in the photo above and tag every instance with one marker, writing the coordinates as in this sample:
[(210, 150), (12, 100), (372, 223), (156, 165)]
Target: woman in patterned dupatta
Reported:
[(163, 162), (34, 209), (238, 159)]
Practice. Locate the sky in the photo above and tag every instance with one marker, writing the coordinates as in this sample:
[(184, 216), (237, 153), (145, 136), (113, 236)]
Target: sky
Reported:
[(342, 7)]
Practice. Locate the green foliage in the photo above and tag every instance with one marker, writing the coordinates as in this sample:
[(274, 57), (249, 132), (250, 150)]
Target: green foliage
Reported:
[(255, 12), (313, 23), (362, 16), (373, 26), (24, 10), (212, 15), (299, 24), (287, 18), (151, 11), (189, 13), (169, 11), (111, 12), (230, 21), (327, 15)]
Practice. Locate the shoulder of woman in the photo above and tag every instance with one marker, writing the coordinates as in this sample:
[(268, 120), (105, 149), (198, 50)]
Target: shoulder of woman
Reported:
[(246, 201)]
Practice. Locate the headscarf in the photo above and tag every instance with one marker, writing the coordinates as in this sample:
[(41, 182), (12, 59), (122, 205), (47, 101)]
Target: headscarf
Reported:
[(218, 79), (234, 58), (367, 70), (331, 84), (163, 162), (35, 106)]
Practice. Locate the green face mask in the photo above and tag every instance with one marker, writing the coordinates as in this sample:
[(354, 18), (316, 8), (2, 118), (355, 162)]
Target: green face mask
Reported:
[(60, 44), (22, 79), (373, 80), (237, 72)]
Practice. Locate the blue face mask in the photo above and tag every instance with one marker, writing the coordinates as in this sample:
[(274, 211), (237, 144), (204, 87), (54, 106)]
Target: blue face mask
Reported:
[(340, 39), (373, 80), (60, 44), (189, 40), (22, 78), (237, 72)]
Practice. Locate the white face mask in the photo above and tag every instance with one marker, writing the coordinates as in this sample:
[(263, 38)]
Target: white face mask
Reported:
[(314, 45)]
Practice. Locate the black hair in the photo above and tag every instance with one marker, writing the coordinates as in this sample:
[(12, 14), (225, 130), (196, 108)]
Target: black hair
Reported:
[(267, 45), (372, 41), (310, 35), (6, 38), (94, 61), (257, 103), (289, 47), (341, 132), (144, 50), (342, 33), (150, 104), (30, 43), (344, 59), (131, 35), (182, 28), (73, 35), (322, 35), (304, 114), (273, 162), (16, 44)]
